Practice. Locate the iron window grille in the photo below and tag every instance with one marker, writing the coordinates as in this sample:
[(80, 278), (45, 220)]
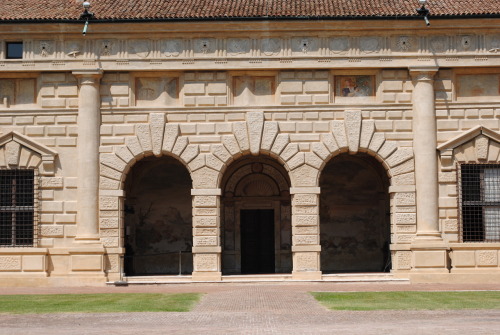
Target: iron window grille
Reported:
[(479, 202), (17, 208)]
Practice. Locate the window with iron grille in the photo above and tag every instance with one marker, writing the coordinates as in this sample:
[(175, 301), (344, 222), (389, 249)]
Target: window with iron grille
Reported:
[(479, 188), (17, 208)]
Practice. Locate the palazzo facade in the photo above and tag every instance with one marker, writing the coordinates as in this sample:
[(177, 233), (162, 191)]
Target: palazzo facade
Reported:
[(218, 147)]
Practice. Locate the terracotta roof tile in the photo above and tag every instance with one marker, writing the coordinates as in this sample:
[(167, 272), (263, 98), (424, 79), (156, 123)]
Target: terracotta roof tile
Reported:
[(218, 9)]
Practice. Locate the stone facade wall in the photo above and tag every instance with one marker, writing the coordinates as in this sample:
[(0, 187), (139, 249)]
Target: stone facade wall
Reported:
[(207, 102)]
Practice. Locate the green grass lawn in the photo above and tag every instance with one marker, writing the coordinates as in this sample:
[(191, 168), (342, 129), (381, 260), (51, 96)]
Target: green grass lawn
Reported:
[(368, 301), (98, 303)]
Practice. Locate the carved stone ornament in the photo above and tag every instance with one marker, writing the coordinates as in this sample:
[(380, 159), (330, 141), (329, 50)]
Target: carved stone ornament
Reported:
[(271, 46), (172, 48), (236, 46), (305, 44), (494, 45), (404, 43), (204, 46), (369, 44), (466, 42), (141, 48), (438, 44), (423, 76), (107, 48), (73, 49), (45, 48), (339, 45)]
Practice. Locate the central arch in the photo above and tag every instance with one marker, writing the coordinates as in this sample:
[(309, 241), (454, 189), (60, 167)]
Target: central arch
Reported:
[(256, 217)]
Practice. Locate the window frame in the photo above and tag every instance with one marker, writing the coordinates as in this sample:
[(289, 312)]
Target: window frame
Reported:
[(472, 201), (8, 43), (14, 209)]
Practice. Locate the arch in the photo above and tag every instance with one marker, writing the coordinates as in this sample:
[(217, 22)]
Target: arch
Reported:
[(354, 215), (256, 217), (158, 217)]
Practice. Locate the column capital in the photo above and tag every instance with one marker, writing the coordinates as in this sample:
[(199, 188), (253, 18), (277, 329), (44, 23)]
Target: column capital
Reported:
[(305, 190), (206, 191), (88, 77), (423, 73)]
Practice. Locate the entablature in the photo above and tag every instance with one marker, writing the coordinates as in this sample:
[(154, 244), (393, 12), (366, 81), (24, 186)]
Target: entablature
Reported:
[(209, 46)]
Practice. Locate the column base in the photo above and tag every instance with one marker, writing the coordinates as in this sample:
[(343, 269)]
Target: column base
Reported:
[(88, 239), (428, 237), (307, 275), (430, 256), (206, 276)]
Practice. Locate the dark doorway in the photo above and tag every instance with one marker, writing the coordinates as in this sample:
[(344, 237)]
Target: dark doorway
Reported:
[(158, 218), (257, 241), (355, 215)]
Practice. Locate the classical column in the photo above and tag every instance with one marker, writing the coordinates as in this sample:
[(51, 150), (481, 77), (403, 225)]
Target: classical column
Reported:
[(306, 248), (89, 122), (424, 146)]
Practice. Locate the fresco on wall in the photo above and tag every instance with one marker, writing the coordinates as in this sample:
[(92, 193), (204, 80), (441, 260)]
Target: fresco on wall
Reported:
[(479, 85), (355, 86), (354, 214), (158, 218)]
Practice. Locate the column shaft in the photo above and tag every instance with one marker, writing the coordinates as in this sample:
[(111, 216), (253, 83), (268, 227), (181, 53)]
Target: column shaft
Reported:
[(89, 121), (424, 146)]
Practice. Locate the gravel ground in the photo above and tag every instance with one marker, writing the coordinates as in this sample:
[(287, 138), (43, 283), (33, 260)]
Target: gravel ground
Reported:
[(257, 308)]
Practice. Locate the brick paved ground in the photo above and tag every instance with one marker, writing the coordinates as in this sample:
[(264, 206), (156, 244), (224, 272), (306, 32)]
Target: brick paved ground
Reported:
[(284, 308)]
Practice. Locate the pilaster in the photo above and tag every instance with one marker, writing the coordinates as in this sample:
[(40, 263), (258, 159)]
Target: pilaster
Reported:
[(306, 248), (206, 235)]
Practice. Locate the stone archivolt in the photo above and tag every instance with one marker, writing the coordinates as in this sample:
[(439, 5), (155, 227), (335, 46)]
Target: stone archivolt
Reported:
[(255, 136)]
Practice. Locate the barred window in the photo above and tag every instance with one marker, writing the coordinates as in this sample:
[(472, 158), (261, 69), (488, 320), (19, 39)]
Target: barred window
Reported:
[(479, 187), (17, 208)]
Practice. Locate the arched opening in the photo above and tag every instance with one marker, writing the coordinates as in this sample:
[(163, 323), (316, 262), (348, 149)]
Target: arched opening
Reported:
[(256, 218), (158, 218), (355, 215)]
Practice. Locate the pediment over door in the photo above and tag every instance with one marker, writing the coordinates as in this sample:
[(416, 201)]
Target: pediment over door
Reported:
[(19, 151), (479, 144)]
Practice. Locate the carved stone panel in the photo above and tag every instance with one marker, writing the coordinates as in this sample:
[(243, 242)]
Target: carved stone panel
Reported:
[(466, 43), (478, 85), (249, 91), (438, 44), (17, 92), (44, 49), (73, 49), (404, 43), (369, 44), (107, 48), (172, 48), (238, 46), (139, 48), (154, 91), (339, 45), (493, 43), (305, 45), (270, 46), (205, 46)]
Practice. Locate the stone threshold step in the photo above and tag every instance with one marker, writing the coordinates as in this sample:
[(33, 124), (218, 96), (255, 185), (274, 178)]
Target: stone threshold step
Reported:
[(185, 279)]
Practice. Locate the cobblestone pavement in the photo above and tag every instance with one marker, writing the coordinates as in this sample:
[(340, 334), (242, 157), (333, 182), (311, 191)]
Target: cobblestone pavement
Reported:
[(284, 308)]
